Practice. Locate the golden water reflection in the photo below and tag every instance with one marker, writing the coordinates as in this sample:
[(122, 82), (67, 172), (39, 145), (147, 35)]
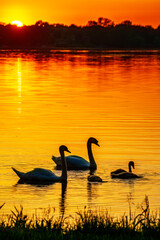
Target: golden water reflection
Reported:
[(64, 97)]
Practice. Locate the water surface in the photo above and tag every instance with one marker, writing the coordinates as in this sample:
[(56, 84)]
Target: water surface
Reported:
[(65, 97)]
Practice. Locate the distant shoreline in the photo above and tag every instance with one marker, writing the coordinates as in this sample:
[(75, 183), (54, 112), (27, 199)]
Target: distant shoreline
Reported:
[(61, 49), (96, 35)]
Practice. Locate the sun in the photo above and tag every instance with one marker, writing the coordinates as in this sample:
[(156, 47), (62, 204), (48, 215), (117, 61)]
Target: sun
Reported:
[(17, 23)]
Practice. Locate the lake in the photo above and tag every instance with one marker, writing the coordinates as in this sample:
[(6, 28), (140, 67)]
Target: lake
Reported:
[(50, 98)]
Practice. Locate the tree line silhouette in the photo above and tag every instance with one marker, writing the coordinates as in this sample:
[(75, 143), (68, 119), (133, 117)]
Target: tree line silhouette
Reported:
[(96, 34)]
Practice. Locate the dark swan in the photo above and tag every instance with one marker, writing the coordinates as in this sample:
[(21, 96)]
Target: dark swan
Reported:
[(120, 173), (130, 164), (44, 175), (78, 163), (94, 178)]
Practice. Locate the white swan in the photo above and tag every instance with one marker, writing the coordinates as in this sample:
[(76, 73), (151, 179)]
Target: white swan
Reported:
[(43, 175), (123, 174), (78, 163)]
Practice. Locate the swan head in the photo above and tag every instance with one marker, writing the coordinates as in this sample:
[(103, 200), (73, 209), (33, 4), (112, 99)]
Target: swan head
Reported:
[(93, 140), (131, 163), (63, 148)]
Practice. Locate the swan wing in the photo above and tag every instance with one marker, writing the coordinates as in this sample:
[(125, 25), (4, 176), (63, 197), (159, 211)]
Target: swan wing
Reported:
[(118, 171), (125, 175), (41, 175), (74, 162), (37, 175), (19, 174), (57, 160), (41, 171)]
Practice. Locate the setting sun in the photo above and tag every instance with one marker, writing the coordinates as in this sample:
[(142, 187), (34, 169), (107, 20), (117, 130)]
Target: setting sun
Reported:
[(17, 23)]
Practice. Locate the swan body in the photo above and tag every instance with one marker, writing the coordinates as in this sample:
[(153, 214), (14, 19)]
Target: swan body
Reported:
[(118, 171), (38, 174), (123, 174), (44, 175), (75, 162), (94, 178)]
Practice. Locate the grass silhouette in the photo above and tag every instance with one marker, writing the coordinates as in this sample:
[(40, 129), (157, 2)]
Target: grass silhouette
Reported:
[(87, 224)]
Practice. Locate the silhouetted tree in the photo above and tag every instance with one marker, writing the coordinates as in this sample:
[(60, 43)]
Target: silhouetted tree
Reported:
[(92, 23), (105, 22), (126, 23), (38, 23)]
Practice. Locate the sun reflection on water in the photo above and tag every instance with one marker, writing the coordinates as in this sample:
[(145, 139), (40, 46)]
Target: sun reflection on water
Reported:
[(19, 86)]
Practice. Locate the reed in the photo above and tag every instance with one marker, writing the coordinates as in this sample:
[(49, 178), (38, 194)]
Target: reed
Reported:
[(87, 224)]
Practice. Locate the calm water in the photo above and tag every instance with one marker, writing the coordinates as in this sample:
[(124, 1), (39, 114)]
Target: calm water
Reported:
[(53, 98)]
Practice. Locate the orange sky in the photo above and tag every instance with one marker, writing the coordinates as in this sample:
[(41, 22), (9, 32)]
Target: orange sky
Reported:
[(144, 12)]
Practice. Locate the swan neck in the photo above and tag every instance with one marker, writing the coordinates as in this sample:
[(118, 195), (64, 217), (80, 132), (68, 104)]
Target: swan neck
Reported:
[(93, 164), (130, 169), (64, 166)]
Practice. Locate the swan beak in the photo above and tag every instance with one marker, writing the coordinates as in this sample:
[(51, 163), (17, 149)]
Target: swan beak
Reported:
[(68, 151), (98, 145)]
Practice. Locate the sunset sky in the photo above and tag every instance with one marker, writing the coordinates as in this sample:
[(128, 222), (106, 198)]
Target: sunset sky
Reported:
[(144, 12)]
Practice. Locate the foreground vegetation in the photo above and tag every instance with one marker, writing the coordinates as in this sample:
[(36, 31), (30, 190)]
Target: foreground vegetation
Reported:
[(95, 34), (86, 225)]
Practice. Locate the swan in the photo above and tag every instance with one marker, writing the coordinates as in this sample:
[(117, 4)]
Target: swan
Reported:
[(75, 162), (44, 175), (94, 178), (120, 173), (130, 164)]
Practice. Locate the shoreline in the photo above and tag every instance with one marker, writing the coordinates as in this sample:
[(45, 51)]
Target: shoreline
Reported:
[(87, 224)]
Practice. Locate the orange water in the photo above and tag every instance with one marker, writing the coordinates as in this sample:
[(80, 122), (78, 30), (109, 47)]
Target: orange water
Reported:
[(64, 97)]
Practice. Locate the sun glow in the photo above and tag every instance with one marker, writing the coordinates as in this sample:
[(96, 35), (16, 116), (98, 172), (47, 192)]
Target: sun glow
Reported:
[(17, 23)]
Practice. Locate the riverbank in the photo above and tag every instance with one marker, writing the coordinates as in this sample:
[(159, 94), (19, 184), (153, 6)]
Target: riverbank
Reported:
[(87, 224)]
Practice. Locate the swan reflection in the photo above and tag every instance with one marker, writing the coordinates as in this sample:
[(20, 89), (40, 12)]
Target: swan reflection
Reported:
[(63, 198), (41, 189), (92, 191)]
